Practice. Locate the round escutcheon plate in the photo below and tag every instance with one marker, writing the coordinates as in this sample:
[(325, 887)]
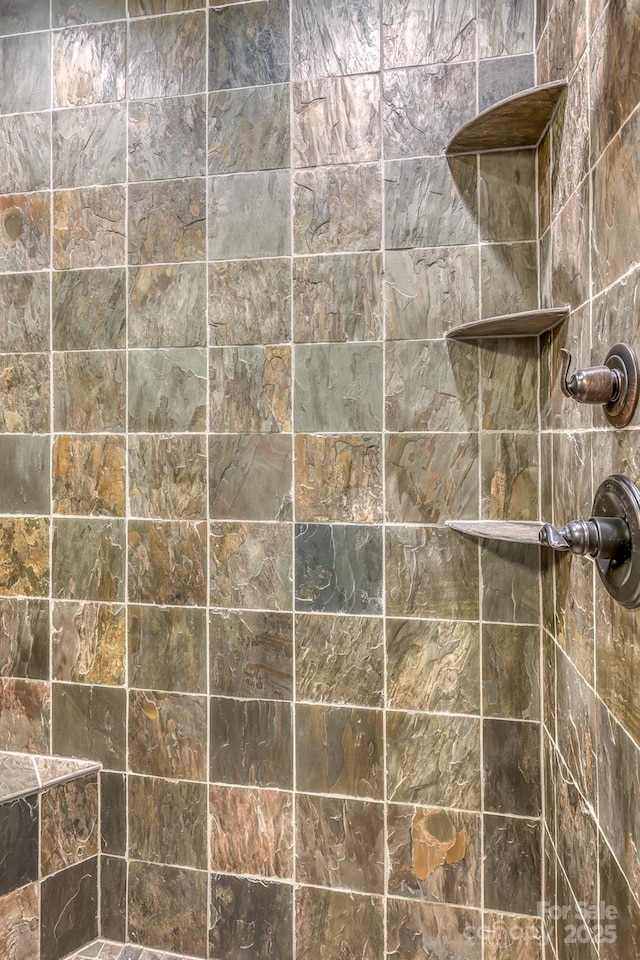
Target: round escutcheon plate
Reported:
[(618, 496)]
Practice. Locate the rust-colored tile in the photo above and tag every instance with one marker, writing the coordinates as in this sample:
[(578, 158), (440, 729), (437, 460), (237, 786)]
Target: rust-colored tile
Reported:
[(69, 824), (168, 735), (263, 847), (20, 912), (89, 643), (250, 389), (167, 562), (88, 475), (25, 715), (338, 478), (24, 557), (24, 239), (24, 394), (344, 923), (89, 227)]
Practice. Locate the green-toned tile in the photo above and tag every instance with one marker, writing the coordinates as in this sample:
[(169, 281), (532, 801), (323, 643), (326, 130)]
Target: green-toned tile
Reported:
[(251, 566), (76, 50), (25, 147), (104, 739), (68, 12), (89, 309), (337, 298), (249, 129), (430, 290), (424, 106), (251, 742), (167, 221), (24, 639), (178, 634), (510, 579), (89, 145), (431, 386), (512, 864), (249, 216), (431, 572), (339, 920), (168, 906), (89, 227), (89, 392), (167, 138), (337, 209), (251, 655), (339, 659), (412, 925), (420, 747), (338, 568), (167, 390), (336, 120), (168, 735), (509, 476), (25, 73), (168, 477), (570, 236), (250, 302), (24, 475), (431, 478), (338, 387), (249, 45), (250, 477), (507, 196), (509, 275), (340, 843), (511, 765), (24, 312), (339, 750), (159, 294), (167, 562), (511, 672), (433, 665), (431, 202), (238, 902), (167, 56), (250, 389), (24, 393), (509, 384), (88, 475), (338, 478), (88, 559)]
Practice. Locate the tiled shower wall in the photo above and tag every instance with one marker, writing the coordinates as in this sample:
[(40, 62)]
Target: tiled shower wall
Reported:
[(590, 248), (232, 432)]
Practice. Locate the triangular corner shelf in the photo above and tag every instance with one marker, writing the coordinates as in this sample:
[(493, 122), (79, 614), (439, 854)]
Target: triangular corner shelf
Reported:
[(530, 323), (517, 122)]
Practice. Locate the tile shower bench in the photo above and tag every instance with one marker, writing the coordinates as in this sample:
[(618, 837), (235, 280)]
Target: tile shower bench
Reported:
[(49, 840)]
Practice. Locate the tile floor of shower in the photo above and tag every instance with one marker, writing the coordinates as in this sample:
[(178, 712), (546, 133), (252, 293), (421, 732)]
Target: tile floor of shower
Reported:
[(108, 950)]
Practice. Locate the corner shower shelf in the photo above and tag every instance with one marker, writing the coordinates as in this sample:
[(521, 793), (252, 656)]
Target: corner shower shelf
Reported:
[(519, 121), (531, 323), (511, 531)]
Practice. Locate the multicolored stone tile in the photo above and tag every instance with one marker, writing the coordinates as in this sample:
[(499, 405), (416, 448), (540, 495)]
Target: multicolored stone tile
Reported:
[(265, 847)]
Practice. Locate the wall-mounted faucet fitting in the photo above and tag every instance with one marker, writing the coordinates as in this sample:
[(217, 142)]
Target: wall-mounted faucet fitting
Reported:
[(615, 384), (611, 537)]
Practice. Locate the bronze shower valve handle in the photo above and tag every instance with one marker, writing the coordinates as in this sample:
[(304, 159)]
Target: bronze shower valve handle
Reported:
[(615, 384)]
